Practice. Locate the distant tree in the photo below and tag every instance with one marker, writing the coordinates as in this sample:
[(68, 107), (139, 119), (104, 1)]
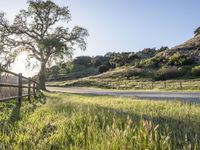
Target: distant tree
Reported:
[(83, 60), (108, 54), (99, 60), (146, 53), (36, 31), (163, 48), (103, 68), (119, 59), (168, 72), (197, 31)]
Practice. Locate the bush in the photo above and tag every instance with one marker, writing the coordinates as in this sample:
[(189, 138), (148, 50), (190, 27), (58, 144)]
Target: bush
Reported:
[(103, 68), (154, 62), (147, 73), (185, 70), (196, 71), (83, 60), (168, 73), (132, 72), (179, 60)]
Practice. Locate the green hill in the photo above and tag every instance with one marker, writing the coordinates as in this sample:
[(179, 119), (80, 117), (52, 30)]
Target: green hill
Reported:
[(126, 69)]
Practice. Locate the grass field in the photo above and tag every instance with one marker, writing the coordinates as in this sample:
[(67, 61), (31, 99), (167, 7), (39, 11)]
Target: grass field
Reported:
[(69, 121)]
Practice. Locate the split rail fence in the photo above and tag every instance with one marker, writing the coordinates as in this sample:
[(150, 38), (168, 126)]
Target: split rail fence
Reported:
[(16, 86)]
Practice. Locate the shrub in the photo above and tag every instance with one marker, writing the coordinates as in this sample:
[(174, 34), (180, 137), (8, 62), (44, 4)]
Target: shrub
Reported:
[(132, 72), (83, 60), (99, 60), (185, 70), (179, 59), (147, 73), (103, 68), (196, 71), (168, 73), (154, 62)]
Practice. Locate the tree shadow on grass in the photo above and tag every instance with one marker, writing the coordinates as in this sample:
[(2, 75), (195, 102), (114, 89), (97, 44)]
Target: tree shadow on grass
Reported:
[(15, 114), (181, 131)]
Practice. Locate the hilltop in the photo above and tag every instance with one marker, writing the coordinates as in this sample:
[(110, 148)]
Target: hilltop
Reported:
[(190, 48)]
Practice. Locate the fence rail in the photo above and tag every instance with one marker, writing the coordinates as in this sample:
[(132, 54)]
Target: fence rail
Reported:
[(30, 85), (171, 84)]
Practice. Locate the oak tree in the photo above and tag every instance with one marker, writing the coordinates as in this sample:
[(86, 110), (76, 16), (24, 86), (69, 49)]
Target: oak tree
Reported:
[(39, 31)]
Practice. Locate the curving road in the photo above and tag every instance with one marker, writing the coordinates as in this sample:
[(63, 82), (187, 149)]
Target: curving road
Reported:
[(182, 96)]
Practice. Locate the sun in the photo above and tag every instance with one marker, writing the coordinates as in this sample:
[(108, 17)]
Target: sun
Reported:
[(20, 66)]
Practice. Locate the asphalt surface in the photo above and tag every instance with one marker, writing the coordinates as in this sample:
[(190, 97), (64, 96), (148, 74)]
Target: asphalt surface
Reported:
[(153, 95)]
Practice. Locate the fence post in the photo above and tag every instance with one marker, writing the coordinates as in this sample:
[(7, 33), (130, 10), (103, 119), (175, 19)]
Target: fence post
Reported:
[(152, 85), (34, 88), (181, 86), (20, 88), (165, 84), (29, 89)]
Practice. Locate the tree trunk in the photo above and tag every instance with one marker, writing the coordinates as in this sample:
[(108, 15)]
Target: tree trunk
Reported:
[(42, 76)]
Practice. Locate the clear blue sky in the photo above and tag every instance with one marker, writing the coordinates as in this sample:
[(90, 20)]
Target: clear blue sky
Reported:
[(127, 25)]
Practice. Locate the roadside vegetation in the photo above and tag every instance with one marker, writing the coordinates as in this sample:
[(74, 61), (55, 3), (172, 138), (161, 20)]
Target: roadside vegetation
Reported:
[(132, 78), (69, 121)]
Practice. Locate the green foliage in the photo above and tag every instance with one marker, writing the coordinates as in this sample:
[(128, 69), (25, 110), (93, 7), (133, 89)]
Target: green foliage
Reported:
[(179, 60), (103, 68), (185, 70), (60, 68), (146, 53), (132, 72), (121, 59), (154, 62), (166, 73), (77, 67), (100, 60), (83, 60), (196, 71), (162, 48), (97, 61)]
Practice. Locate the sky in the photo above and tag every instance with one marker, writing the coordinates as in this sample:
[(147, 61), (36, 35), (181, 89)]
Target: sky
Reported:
[(128, 25)]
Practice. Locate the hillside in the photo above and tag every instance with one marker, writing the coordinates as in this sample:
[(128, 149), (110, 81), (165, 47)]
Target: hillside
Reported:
[(150, 64), (192, 43), (190, 48)]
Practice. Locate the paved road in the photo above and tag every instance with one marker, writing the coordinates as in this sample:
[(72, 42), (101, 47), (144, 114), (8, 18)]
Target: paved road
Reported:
[(182, 96)]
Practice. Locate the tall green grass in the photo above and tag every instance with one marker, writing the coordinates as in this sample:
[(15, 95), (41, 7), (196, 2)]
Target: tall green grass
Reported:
[(69, 121)]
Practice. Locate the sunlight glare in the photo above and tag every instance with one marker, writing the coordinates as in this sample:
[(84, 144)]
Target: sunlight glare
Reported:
[(20, 66)]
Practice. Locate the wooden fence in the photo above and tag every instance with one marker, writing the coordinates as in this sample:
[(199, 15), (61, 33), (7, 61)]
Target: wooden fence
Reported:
[(30, 85)]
